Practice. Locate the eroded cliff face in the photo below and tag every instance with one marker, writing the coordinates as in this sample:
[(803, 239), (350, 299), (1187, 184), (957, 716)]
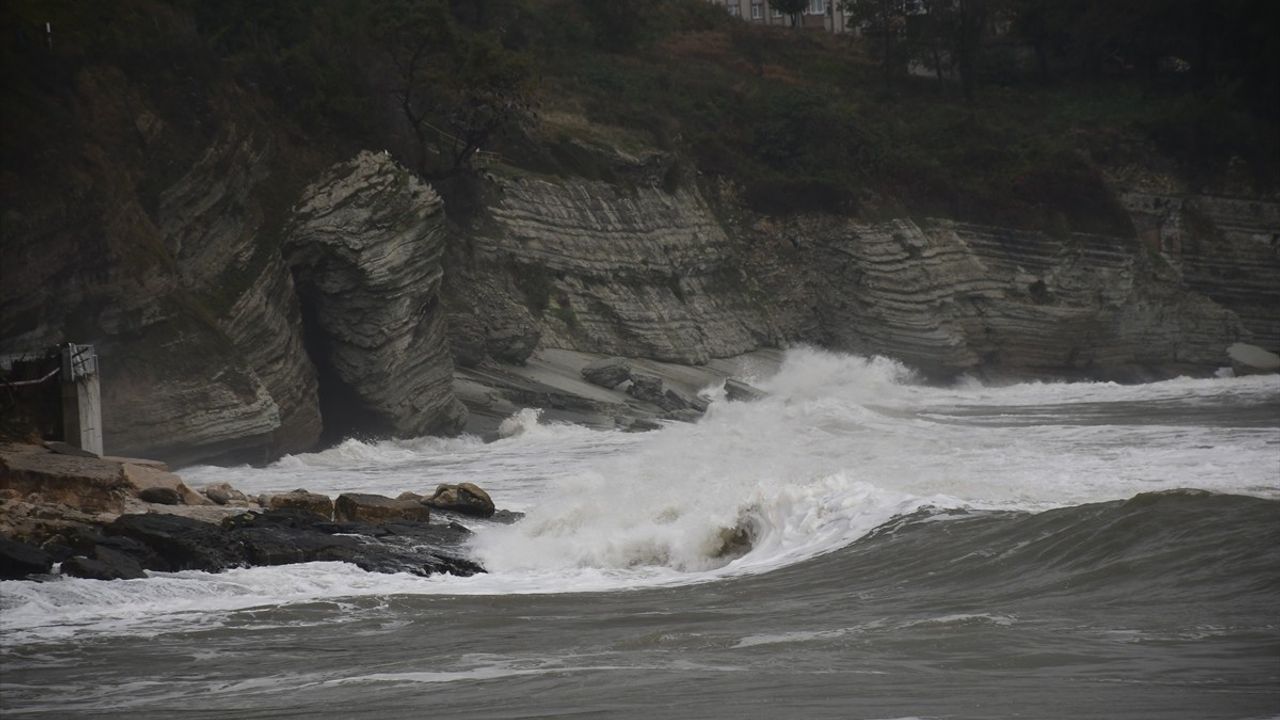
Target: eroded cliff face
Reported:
[(158, 238), (951, 298), (245, 303), (365, 243), (145, 240), (1227, 249), (648, 273), (583, 265)]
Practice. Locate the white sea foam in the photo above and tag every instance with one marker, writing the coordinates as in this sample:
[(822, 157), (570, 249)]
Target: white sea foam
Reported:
[(841, 445)]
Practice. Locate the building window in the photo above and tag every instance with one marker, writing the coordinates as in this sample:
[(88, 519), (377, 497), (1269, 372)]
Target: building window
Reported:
[(734, 10), (817, 7), (777, 13), (757, 11)]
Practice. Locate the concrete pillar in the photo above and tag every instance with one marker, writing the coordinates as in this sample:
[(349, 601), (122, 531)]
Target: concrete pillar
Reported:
[(81, 398)]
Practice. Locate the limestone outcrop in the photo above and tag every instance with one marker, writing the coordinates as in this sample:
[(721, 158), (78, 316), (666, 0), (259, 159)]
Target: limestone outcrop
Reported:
[(464, 498), (949, 297), (634, 271), (1227, 249), (643, 272), (365, 245), (149, 241)]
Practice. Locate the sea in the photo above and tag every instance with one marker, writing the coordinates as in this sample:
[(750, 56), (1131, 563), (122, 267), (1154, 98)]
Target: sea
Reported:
[(858, 545)]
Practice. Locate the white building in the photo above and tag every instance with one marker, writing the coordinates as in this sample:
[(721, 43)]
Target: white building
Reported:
[(825, 14)]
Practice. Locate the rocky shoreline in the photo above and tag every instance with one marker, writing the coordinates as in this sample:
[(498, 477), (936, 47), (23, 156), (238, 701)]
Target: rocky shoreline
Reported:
[(67, 513)]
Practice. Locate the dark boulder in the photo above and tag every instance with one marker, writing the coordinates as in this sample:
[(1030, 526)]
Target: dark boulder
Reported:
[(18, 560), (361, 507), (106, 564), (284, 545), (647, 388), (160, 495), (224, 494), (607, 373), (688, 415), (738, 391), (673, 401), (179, 543), (313, 503), (464, 499)]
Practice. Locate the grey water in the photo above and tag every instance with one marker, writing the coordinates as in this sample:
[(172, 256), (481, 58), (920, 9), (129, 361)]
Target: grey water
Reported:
[(1039, 551)]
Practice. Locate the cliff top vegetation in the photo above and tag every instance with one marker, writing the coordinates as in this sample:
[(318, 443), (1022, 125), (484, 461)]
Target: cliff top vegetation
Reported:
[(1018, 116)]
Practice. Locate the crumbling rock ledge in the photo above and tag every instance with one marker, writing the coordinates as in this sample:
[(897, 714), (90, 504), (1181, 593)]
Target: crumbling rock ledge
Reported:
[(98, 525)]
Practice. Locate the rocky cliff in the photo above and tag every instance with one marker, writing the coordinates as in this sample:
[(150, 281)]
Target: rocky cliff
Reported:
[(645, 272), (586, 265), (246, 303), (146, 240), (365, 244), (950, 297), (160, 242), (1226, 248)]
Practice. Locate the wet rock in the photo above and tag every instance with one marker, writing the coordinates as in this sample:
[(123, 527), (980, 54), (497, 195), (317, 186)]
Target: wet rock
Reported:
[(464, 499), (643, 425), (1249, 359), (178, 543), (506, 517), (144, 478), (224, 494), (106, 564), (86, 484), (646, 387), (161, 496), (360, 507), (673, 401), (284, 545), (688, 415), (300, 499), (608, 372), (738, 391), (18, 560)]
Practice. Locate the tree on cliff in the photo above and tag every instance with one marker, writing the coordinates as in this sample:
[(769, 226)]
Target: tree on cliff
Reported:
[(790, 8), (456, 90), (938, 34)]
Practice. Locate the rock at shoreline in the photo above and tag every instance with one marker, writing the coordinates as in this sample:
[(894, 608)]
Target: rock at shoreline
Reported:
[(160, 484), (687, 415), (375, 533), (106, 564), (464, 499), (224, 494), (301, 499), (646, 387), (738, 391), (180, 543), (18, 560), (85, 483), (1249, 359), (360, 507), (608, 372), (161, 496)]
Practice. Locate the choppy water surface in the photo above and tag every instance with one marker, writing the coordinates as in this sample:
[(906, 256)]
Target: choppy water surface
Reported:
[(1032, 551)]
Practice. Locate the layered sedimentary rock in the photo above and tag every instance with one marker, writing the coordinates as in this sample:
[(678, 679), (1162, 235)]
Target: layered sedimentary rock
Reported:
[(642, 272), (1226, 248), (149, 245), (635, 271), (951, 297), (365, 244)]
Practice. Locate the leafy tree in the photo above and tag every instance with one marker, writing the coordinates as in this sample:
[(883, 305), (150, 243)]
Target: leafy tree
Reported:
[(456, 90), (790, 8)]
